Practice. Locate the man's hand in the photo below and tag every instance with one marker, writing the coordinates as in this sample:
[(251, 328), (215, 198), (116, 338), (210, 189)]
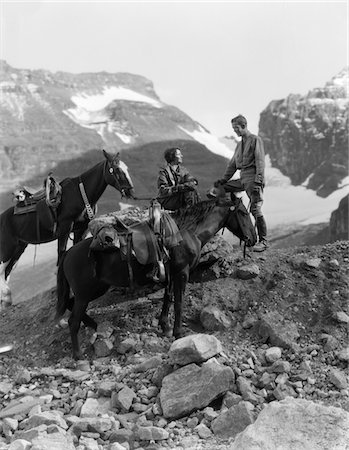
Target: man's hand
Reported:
[(257, 187), (219, 182)]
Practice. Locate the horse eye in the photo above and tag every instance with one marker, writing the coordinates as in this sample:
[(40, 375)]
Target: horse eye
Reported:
[(111, 170)]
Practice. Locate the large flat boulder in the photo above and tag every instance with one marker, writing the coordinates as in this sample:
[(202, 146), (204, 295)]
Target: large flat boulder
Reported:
[(296, 424), (193, 387)]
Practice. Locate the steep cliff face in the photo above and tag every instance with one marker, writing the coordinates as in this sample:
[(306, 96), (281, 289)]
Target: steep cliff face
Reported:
[(51, 117), (307, 136), (339, 221)]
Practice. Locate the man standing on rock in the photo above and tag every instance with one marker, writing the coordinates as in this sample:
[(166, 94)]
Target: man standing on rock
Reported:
[(250, 159)]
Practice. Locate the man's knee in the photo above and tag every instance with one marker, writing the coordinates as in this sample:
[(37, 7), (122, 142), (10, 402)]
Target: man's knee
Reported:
[(256, 209)]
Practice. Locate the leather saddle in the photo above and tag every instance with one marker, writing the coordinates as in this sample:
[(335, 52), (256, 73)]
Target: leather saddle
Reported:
[(148, 242), (43, 203)]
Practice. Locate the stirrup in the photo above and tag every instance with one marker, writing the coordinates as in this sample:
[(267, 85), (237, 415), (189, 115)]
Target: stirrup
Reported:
[(160, 274)]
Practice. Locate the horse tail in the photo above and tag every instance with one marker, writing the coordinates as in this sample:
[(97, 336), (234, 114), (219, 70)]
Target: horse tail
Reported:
[(63, 290)]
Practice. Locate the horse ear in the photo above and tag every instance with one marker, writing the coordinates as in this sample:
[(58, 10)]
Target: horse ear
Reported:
[(105, 153)]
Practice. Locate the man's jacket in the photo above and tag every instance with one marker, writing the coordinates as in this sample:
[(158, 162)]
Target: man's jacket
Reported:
[(249, 158)]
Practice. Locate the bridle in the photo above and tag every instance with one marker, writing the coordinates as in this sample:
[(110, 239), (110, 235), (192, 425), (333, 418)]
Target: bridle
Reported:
[(112, 171)]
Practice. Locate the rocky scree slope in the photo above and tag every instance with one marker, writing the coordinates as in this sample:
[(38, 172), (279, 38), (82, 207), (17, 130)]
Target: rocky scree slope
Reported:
[(307, 136), (269, 327)]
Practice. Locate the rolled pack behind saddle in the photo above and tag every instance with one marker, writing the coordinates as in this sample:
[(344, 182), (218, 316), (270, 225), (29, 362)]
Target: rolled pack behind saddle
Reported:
[(43, 204), (148, 240)]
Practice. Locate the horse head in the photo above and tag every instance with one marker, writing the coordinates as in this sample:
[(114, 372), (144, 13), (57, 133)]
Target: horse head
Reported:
[(239, 222), (116, 175)]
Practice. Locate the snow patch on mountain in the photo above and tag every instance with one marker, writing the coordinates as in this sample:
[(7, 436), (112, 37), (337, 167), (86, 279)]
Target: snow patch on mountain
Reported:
[(97, 102), (211, 142)]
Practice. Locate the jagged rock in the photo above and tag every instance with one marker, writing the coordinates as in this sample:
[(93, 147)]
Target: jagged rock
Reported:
[(152, 433), (341, 317), (44, 418), (280, 367), (331, 343), (124, 398), (102, 347), (93, 424), (19, 444), (296, 424), (338, 378), (126, 345), (339, 221), (272, 354), (246, 390), (121, 436), (313, 263), (233, 420), (54, 441), (106, 388), (19, 407), (343, 354), (88, 443), (23, 377), (149, 363), (5, 387), (212, 318), (192, 387), (283, 390), (278, 331), (230, 399), (247, 272), (95, 406), (203, 431), (194, 348)]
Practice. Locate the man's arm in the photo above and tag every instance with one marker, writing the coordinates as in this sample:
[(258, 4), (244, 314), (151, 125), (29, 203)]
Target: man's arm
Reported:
[(230, 169), (260, 161)]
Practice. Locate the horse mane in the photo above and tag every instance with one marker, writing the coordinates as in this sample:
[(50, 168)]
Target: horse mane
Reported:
[(189, 218)]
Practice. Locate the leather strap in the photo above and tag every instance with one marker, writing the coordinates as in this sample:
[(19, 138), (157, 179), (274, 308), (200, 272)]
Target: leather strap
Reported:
[(88, 207)]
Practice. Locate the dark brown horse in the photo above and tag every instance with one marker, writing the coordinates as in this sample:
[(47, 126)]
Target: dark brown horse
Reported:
[(90, 274), (17, 231)]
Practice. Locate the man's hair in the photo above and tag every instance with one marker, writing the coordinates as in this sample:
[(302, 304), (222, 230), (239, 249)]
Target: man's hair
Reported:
[(169, 154), (239, 120)]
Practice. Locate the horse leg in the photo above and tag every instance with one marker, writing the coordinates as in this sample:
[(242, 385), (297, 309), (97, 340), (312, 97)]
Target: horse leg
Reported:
[(163, 319), (5, 291), (5, 270), (74, 324), (179, 283), (86, 319), (61, 247)]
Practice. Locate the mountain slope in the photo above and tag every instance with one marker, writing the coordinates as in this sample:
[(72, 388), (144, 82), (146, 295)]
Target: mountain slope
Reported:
[(307, 136), (48, 118)]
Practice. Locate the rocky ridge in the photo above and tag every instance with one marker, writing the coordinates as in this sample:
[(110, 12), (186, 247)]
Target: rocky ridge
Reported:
[(307, 136), (266, 343)]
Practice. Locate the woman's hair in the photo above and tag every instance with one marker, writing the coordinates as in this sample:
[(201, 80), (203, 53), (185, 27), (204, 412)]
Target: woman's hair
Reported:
[(239, 120), (170, 153)]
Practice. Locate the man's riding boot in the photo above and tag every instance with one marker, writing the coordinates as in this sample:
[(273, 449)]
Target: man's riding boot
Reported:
[(262, 235)]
